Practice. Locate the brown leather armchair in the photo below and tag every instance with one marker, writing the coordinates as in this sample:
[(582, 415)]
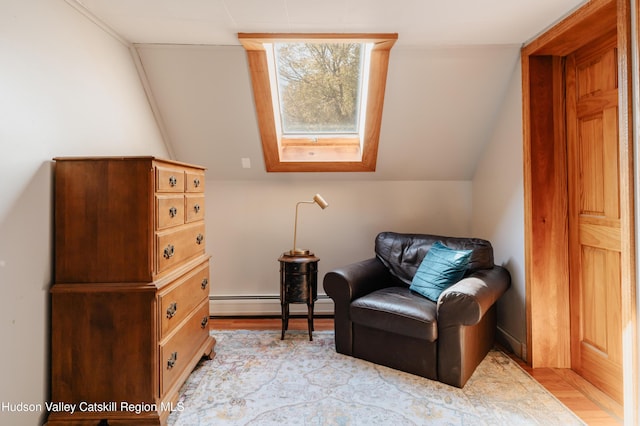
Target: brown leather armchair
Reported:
[(379, 319)]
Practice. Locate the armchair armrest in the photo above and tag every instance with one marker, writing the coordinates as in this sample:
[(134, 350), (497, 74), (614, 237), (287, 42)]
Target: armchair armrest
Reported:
[(466, 323), (467, 301), (349, 282), (346, 284)]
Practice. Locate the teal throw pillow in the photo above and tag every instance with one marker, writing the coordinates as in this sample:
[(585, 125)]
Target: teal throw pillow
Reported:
[(441, 268)]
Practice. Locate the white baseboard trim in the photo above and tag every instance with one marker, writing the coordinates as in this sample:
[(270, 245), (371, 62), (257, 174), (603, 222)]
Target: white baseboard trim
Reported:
[(519, 348), (220, 306)]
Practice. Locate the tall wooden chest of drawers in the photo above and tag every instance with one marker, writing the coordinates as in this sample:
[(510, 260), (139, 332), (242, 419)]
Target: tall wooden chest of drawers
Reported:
[(129, 304)]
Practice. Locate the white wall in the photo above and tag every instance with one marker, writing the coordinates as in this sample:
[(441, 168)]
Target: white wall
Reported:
[(66, 88), (498, 208), (250, 224)]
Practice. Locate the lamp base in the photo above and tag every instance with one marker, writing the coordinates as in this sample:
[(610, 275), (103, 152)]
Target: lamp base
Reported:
[(298, 252)]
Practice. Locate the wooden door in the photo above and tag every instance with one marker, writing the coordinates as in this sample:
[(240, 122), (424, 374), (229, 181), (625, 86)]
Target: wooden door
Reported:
[(594, 215)]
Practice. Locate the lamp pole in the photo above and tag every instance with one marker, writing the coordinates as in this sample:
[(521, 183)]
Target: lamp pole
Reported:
[(295, 251), (317, 199)]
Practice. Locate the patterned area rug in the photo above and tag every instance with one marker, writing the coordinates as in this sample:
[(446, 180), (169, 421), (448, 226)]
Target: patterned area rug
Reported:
[(257, 379)]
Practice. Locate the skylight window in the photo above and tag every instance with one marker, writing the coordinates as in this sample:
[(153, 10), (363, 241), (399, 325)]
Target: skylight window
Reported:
[(319, 87), (319, 98)]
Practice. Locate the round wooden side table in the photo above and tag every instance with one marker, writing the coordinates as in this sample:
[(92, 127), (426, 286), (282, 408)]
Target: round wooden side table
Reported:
[(298, 284)]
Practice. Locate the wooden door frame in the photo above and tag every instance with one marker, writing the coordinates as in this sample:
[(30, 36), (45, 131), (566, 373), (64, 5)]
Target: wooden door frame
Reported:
[(545, 188)]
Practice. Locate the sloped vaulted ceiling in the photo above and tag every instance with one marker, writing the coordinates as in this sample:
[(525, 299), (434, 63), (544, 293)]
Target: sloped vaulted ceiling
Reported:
[(440, 106), (448, 73)]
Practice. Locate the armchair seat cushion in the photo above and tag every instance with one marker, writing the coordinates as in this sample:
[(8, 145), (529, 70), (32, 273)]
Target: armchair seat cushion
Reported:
[(397, 310)]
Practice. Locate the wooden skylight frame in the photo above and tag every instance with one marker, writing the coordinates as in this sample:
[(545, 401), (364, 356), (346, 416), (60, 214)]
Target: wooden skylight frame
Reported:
[(283, 154)]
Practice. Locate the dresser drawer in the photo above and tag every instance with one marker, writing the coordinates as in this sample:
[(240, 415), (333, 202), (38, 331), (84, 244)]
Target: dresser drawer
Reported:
[(169, 179), (178, 244), (180, 348), (169, 211), (181, 297), (194, 207), (194, 181)]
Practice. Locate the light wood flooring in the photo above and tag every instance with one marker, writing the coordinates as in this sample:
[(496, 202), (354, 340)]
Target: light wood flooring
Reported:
[(580, 397)]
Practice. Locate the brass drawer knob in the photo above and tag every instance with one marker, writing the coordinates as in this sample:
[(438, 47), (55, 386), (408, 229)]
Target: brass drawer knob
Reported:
[(196, 182), (205, 283), (172, 360), (199, 239), (173, 212), (196, 208), (172, 309), (169, 251), (205, 321), (173, 181)]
